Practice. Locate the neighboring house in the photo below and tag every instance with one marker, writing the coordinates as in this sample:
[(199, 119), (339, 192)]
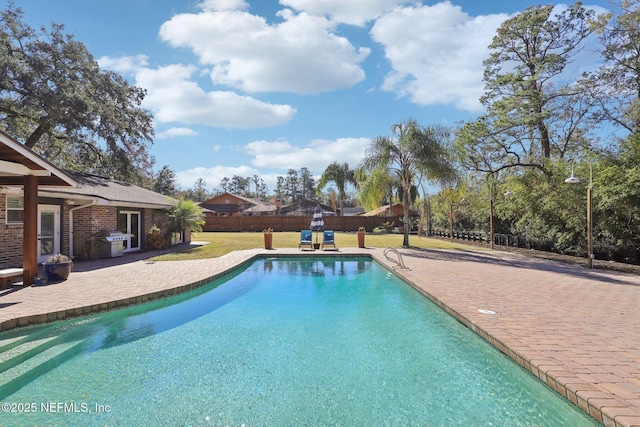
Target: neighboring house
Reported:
[(70, 218), (353, 211), (394, 210), (227, 204), (305, 207)]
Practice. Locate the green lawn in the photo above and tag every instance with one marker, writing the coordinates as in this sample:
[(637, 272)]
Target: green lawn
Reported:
[(223, 243)]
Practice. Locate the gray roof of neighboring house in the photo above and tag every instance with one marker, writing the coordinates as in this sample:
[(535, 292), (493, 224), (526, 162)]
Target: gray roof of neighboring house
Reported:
[(250, 207), (260, 206), (108, 191), (353, 211), (305, 207)]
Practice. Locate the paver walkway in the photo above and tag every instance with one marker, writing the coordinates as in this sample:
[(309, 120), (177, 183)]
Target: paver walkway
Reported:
[(578, 330)]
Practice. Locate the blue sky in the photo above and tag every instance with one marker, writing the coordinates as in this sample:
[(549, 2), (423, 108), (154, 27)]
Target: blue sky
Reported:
[(244, 87)]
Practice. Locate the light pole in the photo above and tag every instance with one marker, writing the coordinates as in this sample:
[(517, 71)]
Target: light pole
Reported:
[(575, 180)]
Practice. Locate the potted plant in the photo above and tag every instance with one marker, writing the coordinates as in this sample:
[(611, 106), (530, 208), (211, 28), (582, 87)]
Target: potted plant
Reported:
[(268, 238), (57, 268), (154, 239), (154, 230), (361, 231)]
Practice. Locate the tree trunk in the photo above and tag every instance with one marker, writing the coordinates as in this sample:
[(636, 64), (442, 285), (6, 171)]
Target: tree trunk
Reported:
[(405, 206), (36, 135)]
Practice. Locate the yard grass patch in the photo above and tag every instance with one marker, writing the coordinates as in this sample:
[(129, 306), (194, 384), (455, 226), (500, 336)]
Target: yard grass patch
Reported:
[(221, 243)]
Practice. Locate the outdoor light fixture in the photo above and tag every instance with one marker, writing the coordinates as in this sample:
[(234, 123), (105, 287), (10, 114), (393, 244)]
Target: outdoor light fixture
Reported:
[(575, 180)]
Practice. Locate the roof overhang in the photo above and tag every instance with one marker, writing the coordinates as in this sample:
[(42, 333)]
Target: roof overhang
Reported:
[(18, 161), (81, 199)]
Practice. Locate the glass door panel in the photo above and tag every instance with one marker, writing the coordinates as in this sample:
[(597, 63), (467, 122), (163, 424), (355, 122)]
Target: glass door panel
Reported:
[(48, 231), (129, 224), (123, 226), (135, 230)]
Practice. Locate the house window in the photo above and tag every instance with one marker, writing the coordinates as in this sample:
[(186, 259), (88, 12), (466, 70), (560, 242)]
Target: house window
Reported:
[(15, 210)]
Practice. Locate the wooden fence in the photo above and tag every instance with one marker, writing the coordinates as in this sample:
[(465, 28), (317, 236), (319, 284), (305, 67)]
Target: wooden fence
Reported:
[(294, 223)]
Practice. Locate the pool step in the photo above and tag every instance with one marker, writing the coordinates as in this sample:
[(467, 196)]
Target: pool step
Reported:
[(16, 349), (7, 342), (30, 364), (21, 351), (27, 354), (18, 338)]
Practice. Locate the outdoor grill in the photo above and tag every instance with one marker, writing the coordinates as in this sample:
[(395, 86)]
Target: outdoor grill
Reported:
[(115, 240)]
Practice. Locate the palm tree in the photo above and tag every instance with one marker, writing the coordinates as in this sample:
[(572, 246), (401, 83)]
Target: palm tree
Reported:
[(341, 175), (185, 215), (414, 152), (376, 186)]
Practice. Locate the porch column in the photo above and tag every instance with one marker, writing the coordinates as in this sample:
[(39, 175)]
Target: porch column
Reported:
[(30, 245)]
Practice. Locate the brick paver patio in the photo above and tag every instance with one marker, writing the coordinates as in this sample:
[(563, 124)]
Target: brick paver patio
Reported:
[(578, 330)]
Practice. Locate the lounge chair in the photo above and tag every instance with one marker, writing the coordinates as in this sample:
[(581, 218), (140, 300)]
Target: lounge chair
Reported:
[(305, 240), (327, 240)]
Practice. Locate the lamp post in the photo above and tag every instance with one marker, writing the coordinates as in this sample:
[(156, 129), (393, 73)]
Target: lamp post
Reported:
[(575, 180)]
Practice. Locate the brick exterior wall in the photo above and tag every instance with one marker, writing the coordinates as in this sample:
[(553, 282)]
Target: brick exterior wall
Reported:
[(87, 223), (11, 237), (155, 217)]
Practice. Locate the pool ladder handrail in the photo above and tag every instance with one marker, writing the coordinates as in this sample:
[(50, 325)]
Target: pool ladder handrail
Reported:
[(399, 262)]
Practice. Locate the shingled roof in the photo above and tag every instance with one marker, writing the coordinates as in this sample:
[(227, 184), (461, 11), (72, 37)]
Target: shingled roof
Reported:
[(108, 191)]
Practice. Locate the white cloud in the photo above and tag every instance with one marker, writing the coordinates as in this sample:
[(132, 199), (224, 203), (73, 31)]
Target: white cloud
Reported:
[(176, 132), (355, 12), (212, 175), (123, 64), (280, 156), (219, 5), (436, 53), (316, 156), (174, 97), (302, 54)]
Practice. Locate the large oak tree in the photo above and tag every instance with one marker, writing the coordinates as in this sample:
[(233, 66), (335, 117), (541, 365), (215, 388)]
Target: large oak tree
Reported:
[(55, 99)]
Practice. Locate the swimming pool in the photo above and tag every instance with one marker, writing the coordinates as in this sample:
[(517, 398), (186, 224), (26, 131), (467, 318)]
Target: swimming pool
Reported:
[(298, 341)]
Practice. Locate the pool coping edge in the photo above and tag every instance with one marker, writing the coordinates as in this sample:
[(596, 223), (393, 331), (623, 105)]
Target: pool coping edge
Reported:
[(587, 397)]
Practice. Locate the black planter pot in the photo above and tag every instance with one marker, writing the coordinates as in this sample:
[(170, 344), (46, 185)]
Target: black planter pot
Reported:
[(57, 272)]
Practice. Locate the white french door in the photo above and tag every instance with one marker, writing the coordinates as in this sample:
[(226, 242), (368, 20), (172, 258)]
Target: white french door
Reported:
[(129, 223), (48, 231)]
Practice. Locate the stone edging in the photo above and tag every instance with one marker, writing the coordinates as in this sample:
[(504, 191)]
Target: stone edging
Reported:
[(545, 369)]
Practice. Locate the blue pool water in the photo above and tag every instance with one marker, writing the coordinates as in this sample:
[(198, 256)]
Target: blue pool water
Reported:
[(284, 342)]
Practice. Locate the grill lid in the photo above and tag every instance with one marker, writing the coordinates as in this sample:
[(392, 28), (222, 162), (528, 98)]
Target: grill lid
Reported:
[(113, 235)]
